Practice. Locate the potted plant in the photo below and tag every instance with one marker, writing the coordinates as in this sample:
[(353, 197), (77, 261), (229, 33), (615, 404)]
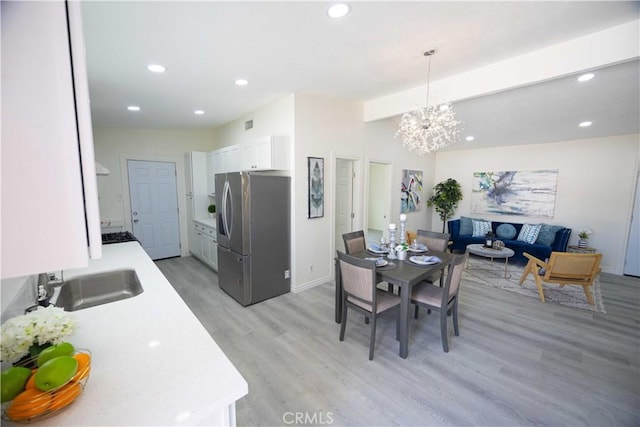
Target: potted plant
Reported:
[(212, 210), (445, 199), (584, 234)]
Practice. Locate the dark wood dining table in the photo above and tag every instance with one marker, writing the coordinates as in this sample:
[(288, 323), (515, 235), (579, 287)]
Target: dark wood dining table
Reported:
[(405, 275)]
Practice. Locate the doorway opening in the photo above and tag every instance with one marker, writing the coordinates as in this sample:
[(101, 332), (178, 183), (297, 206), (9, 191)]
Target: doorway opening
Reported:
[(378, 200)]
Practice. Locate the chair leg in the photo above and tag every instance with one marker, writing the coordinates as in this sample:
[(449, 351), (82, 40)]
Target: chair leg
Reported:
[(530, 268), (454, 311), (443, 329), (366, 320), (373, 337), (539, 284), (390, 287), (587, 292), (343, 322), (415, 312)]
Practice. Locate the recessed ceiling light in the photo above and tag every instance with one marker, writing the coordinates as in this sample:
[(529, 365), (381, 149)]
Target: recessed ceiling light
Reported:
[(242, 82), (585, 124), (133, 108), (156, 68), (338, 10), (198, 112), (586, 77), (470, 138)]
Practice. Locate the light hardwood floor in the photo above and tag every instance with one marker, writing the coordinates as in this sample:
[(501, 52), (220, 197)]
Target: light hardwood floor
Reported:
[(516, 362)]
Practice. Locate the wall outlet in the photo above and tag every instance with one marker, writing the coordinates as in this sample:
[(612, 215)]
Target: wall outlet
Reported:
[(310, 268), (287, 274)]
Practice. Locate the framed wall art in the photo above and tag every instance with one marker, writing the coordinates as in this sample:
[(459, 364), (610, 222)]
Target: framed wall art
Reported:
[(525, 193), (411, 191), (315, 171)]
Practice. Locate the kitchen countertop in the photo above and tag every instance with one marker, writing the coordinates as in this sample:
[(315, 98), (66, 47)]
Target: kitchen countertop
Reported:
[(153, 363), (206, 221)]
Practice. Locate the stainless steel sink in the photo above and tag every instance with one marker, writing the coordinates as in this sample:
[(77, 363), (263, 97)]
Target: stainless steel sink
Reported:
[(97, 289)]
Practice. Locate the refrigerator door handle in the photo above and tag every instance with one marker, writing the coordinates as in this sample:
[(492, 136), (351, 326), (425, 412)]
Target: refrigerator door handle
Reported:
[(227, 211)]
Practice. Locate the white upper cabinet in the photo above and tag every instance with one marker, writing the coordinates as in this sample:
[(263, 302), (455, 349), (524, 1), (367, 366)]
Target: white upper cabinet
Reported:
[(49, 215), (268, 153), (227, 159)]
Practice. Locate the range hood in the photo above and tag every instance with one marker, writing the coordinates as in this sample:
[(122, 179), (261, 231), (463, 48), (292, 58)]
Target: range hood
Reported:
[(101, 170)]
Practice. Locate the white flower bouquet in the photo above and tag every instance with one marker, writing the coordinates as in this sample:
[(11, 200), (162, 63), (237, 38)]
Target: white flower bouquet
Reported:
[(48, 325)]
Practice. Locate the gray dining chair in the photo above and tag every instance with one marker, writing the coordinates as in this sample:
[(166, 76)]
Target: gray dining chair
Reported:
[(360, 293), (435, 241), (442, 299), (355, 242)]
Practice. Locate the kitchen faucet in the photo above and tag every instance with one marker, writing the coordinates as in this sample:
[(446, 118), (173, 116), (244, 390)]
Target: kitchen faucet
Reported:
[(46, 283)]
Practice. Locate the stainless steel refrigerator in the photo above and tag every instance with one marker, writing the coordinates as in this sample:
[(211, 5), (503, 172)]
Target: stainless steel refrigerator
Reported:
[(253, 235)]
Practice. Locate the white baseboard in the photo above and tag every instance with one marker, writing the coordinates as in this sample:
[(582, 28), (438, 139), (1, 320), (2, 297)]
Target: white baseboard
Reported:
[(308, 285)]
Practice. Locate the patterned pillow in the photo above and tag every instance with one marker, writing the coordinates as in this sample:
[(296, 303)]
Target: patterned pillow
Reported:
[(480, 228), (466, 227), (529, 233), (547, 234), (506, 231)]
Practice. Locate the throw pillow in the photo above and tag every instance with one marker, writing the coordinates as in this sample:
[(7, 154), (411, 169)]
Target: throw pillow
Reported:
[(547, 234), (466, 227), (480, 228), (529, 233), (506, 231)]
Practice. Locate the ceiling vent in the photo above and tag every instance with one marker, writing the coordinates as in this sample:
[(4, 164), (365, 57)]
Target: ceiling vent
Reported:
[(248, 125)]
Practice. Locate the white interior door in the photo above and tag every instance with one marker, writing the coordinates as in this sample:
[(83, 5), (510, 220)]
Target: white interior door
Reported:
[(154, 207), (344, 200)]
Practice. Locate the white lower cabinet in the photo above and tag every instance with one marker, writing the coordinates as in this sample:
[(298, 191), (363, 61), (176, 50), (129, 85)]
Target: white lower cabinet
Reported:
[(205, 245)]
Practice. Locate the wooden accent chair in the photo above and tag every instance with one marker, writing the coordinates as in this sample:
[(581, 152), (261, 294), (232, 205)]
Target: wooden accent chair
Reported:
[(360, 293), (410, 236), (442, 299), (564, 268)]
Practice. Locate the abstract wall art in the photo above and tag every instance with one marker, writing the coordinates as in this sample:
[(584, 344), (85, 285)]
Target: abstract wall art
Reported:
[(525, 193), (411, 191), (315, 166)]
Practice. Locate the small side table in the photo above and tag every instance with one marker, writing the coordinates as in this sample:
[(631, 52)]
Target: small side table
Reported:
[(581, 250), (481, 250)]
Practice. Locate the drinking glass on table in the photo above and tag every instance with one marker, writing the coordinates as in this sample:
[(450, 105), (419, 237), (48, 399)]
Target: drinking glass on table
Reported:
[(383, 243)]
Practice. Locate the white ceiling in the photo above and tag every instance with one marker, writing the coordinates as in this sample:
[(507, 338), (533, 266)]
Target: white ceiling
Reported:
[(294, 47)]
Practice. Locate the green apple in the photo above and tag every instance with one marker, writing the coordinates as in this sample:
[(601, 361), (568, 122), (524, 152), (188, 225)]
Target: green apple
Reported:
[(55, 372), (62, 349), (13, 381)]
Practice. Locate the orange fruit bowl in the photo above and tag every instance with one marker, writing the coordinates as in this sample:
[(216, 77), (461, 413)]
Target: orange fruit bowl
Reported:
[(33, 404)]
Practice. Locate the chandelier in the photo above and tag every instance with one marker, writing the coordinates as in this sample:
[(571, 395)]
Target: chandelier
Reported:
[(428, 129)]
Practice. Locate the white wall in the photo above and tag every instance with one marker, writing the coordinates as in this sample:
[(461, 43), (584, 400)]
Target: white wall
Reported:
[(596, 182), (332, 128), (114, 146), (274, 119)]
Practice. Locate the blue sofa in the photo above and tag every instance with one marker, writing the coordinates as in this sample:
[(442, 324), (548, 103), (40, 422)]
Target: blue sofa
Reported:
[(536, 249)]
